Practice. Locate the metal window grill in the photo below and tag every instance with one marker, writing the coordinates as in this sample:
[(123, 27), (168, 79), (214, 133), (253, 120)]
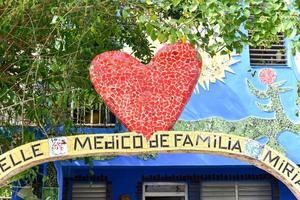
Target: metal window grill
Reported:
[(82, 191), (165, 190), (97, 115), (272, 56), (226, 190)]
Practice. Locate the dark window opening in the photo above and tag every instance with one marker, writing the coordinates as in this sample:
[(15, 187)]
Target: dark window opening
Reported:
[(269, 56), (164, 198), (97, 116)]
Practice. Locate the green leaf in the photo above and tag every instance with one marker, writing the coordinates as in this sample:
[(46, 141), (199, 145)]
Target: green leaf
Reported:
[(193, 7), (153, 36), (256, 38), (162, 37), (173, 37), (149, 28), (247, 13), (125, 13), (257, 11), (277, 6), (148, 2), (293, 33), (153, 16), (176, 2), (142, 18)]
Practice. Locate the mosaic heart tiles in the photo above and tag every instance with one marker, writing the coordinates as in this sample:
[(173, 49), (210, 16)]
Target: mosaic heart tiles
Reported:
[(147, 98)]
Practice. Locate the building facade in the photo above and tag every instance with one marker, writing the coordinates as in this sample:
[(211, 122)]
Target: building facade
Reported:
[(253, 94)]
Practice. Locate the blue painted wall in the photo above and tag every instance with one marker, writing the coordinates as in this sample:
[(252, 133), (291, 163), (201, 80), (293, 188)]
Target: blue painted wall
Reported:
[(126, 179), (230, 100), (285, 193)]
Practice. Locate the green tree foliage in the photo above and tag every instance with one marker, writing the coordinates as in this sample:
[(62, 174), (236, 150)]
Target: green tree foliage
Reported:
[(219, 25), (45, 51), (46, 46)]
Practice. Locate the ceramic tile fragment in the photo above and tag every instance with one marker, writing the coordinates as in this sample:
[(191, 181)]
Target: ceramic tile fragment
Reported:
[(147, 98)]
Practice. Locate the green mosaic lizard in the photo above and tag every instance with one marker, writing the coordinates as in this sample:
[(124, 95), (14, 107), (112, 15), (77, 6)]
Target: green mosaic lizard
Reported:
[(251, 127)]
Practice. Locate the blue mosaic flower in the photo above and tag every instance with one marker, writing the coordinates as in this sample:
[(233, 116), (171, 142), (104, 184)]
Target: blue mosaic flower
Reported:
[(254, 149)]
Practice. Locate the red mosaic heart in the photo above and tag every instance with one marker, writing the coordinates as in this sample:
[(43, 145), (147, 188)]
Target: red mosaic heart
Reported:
[(147, 98)]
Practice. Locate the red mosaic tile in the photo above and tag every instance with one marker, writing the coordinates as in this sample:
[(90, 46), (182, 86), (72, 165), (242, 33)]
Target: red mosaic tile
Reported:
[(267, 76), (147, 98)]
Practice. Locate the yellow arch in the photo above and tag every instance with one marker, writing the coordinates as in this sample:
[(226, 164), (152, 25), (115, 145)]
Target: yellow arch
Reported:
[(61, 148)]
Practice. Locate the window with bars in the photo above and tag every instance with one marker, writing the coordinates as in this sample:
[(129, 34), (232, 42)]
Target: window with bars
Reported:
[(165, 191), (83, 191), (98, 115), (269, 56), (225, 190)]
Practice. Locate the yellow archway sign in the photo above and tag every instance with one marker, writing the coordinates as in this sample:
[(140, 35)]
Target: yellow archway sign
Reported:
[(61, 148)]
